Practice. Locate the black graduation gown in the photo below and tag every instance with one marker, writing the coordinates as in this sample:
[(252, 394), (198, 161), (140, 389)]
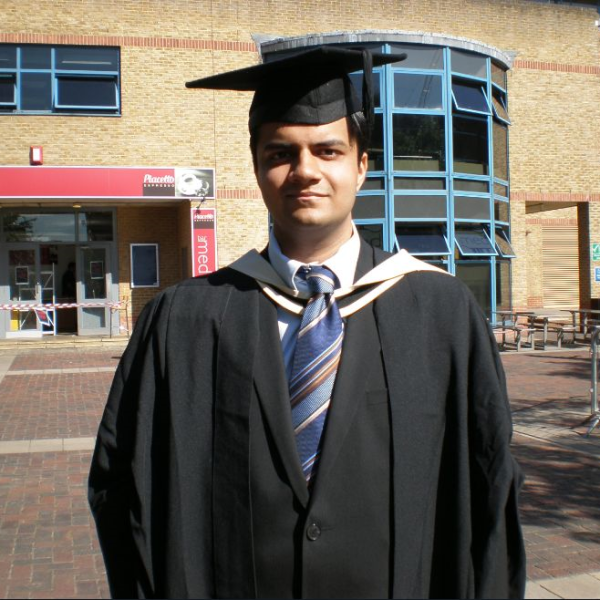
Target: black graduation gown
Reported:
[(169, 484)]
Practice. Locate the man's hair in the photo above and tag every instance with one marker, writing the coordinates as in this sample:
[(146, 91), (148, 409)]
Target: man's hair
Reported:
[(357, 125)]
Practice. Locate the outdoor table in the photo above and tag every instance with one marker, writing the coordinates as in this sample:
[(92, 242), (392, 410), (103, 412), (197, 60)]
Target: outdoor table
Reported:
[(583, 314)]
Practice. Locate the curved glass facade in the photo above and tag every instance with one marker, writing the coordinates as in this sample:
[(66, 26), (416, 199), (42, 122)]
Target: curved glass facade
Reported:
[(438, 181)]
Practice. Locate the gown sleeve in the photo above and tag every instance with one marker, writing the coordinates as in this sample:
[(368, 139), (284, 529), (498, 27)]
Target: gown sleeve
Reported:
[(117, 479), (497, 552)]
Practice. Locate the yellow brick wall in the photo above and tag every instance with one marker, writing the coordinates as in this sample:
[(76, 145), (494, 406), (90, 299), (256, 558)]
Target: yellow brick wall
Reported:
[(553, 94), (148, 225)]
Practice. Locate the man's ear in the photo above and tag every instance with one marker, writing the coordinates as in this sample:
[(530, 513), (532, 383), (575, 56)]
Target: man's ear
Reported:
[(363, 167)]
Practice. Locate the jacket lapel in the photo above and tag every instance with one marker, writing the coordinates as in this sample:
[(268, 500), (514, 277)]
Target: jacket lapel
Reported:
[(272, 389)]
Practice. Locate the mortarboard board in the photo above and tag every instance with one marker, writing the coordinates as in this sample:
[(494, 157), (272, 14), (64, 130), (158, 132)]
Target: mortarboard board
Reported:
[(309, 88)]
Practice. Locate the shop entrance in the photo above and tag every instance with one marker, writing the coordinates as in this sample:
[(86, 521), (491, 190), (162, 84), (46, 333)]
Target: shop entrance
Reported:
[(56, 271), (57, 289)]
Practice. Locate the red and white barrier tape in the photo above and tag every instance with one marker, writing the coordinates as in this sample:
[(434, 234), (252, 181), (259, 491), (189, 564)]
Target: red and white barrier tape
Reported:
[(24, 306)]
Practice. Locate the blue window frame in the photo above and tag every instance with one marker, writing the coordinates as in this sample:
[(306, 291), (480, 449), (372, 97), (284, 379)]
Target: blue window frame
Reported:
[(438, 179), (59, 79)]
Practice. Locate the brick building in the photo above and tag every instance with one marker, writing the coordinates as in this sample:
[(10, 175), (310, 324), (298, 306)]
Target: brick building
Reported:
[(486, 157)]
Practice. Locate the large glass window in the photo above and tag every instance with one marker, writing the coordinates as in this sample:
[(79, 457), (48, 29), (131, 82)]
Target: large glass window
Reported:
[(59, 79), (438, 181), (419, 142), (470, 142), (422, 240), (417, 91), (420, 207), (39, 227), (500, 133)]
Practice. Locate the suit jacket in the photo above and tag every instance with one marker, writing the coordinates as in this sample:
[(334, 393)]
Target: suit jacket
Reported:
[(170, 478)]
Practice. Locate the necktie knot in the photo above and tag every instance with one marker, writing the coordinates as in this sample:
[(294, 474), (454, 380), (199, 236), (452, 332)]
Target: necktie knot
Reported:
[(320, 280)]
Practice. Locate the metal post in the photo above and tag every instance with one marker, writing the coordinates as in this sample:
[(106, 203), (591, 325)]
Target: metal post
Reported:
[(595, 416)]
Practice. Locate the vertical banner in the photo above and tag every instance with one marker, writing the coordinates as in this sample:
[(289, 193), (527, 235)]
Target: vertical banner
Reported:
[(204, 241)]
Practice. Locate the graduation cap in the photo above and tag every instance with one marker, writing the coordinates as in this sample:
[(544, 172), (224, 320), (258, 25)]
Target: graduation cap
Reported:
[(309, 88)]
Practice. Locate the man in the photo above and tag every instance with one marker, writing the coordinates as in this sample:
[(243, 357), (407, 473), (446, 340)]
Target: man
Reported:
[(321, 420)]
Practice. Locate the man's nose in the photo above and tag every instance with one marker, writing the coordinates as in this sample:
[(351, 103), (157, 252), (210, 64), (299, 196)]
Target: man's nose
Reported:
[(305, 167)]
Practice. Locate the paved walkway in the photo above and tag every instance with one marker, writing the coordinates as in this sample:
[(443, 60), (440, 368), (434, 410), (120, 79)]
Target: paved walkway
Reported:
[(51, 400)]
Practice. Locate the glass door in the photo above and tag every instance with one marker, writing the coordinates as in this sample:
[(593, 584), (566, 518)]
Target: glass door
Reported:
[(23, 291), (93, 290)]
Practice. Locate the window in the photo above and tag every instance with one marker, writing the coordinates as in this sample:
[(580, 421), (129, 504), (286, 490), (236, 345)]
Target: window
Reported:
[(417, 91), (369, 207), (468, 64), (503, 246), (60, 79), (473, 208), (470, 98), (470, 139), (473, 242), (371, 233), (420, 207), (419, 143), (144, 265), (422, 240)]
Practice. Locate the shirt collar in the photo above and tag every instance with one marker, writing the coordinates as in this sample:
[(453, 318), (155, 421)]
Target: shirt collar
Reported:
[(342, 263)]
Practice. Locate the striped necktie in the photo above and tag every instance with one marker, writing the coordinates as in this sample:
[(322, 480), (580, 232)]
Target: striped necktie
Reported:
[(315, 364)]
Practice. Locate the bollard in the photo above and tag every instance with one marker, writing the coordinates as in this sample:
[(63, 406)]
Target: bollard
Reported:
[(595, 416)]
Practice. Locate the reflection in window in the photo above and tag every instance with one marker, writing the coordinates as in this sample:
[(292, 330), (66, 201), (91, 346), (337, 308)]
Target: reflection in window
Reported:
[(7, 90), (376, 148), (371, 233), (419, 239), (86, 92), (501, 211), (95, 226), (419, 183), (36, 57), (42, 227), (369, 207), (499, 104), (503, 245), (420, 207), (502, 285), (419, 57), (470, 98), (94, 273), (473, 242), (498, 75), (373, 183), (36, 91), (500, 133), (417, 91), (477, 277), (357, 81), (419, 143), (468, 64), (473, 208), (470, 138), (470, 185), (500, 190)]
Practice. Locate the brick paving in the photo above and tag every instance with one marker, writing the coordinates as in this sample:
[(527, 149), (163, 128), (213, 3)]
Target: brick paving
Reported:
[(48, 547), (65, 359), (59, 405)]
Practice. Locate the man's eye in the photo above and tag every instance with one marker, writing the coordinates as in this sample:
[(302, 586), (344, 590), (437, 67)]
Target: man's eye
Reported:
[(278, 156)]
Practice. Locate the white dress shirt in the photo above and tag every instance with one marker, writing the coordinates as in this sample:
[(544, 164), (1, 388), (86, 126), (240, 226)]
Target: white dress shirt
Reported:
[(342, 263)]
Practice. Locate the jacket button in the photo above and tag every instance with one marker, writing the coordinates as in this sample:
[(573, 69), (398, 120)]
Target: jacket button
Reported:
[(313, 533)]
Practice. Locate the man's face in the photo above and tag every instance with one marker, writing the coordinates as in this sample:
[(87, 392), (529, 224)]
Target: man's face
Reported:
[(309, 176)]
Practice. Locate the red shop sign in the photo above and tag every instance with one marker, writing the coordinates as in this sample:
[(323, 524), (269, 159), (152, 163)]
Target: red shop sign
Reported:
[(204, 241)]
